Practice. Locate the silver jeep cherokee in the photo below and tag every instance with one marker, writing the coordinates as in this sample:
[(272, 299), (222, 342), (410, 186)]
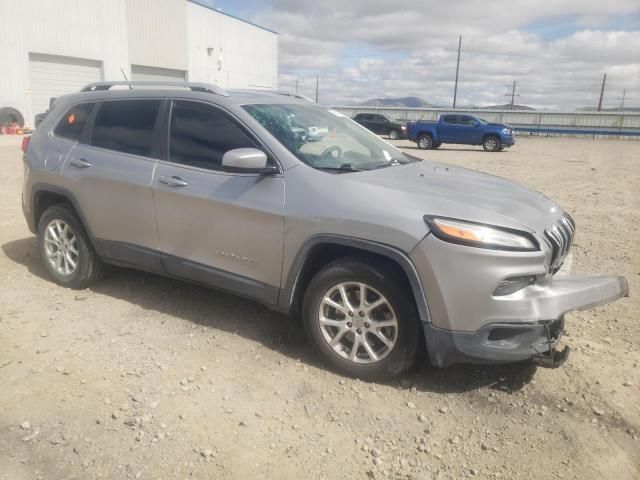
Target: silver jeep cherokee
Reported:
[(380, 253)]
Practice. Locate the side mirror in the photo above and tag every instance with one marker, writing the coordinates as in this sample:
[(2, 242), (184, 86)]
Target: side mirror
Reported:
[(247, 160)]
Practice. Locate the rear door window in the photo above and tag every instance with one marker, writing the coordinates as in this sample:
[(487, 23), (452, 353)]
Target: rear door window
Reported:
[(72, 124), (126, 126), (200, 135)]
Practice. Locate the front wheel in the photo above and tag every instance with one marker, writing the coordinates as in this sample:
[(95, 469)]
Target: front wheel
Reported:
[(425, 142), (361, 320), (491, 144)]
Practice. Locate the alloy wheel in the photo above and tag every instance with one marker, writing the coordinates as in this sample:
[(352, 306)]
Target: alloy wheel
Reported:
[(358, 322), (61, 247)]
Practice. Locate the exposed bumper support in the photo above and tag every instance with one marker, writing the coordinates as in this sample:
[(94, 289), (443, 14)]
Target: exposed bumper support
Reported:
[(505, 342)]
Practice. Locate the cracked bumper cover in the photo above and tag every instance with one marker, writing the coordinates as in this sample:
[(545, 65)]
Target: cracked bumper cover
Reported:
[(504, 342)]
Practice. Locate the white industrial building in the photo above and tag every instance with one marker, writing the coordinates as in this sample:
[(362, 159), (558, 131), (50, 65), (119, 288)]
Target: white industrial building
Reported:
[(50, 48)]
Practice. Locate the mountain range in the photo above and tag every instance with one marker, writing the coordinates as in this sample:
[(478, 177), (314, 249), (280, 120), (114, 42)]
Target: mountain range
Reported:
[(417, 102)]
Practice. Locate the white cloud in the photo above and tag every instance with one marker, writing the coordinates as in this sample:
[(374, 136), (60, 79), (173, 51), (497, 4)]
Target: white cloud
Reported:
[(408, 47)]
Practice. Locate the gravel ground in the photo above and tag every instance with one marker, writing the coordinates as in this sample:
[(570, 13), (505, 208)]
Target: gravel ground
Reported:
[(147, 377)]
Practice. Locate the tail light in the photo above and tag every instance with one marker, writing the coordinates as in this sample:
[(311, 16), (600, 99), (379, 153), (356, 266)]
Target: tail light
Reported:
[(25, 143)]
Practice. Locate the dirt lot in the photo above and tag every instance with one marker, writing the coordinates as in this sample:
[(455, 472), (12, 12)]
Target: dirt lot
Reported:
[(146, 377)]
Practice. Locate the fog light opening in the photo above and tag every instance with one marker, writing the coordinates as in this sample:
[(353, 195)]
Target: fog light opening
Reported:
[(513, 284)]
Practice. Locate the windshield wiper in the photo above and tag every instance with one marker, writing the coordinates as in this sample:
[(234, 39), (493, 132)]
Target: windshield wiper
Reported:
[(342, 168), (394, 162)]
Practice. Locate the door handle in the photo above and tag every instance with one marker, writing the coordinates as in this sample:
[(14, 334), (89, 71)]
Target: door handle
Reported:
[(173, 181), (80, 163)]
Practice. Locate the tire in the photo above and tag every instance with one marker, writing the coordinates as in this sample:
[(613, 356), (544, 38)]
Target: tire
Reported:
[(11, 115), (425, 142), (88, 266), (491, 144), (392, 357), (394, 134)]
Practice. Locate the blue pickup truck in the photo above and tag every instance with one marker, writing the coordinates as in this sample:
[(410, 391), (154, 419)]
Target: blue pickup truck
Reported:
[(462, 129)]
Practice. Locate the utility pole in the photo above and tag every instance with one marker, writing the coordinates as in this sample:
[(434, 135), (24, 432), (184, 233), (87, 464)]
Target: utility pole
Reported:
[(624, 97), (513, 94), (455, 88), (316, 88), (604, 81)]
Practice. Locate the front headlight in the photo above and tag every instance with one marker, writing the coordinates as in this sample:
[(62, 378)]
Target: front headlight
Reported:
[(480, 235), (506, 131)]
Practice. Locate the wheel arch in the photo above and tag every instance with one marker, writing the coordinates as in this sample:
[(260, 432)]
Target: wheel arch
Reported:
[(45, 196), (320, 250), (429, 133)]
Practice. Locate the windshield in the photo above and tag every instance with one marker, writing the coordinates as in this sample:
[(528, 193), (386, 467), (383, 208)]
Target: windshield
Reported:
[(324, 138)]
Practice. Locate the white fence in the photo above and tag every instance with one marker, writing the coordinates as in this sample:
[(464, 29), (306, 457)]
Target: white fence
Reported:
[(586, 123)]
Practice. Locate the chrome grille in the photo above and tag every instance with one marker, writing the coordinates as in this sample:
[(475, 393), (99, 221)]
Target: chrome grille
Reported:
[(560, 237)]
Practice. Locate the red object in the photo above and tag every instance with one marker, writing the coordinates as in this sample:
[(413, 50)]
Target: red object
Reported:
[(25, 143), (10, 129)]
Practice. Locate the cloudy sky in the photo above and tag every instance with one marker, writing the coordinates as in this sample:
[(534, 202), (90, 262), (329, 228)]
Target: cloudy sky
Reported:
[(556, 50)]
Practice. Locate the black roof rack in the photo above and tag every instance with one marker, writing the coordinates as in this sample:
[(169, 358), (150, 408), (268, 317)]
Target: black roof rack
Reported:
[(195, 87)]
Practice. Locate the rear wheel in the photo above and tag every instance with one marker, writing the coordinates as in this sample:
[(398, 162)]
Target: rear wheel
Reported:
[(425, 142), (491, 144), (394, 134), (65, 249), (361, 320)]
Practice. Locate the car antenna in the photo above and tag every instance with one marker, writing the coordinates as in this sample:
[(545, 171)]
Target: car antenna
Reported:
[(125, 77)]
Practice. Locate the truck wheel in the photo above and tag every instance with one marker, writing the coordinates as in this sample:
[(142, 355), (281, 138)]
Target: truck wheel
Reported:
[(394, 134), (491, 144), (65, 249), (361, 320), (425, 142), (10, 115)]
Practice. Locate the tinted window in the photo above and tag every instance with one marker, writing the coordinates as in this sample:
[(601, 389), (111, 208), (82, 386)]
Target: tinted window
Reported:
[(450, 119), (126, 126), (201, 135), (73, 122), (469, 121)]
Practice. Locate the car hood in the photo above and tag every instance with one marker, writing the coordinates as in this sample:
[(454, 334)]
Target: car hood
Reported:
[(436, 189)]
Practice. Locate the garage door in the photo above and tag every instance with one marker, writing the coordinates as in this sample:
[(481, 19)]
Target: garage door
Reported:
[(53, 75), (155, 74)]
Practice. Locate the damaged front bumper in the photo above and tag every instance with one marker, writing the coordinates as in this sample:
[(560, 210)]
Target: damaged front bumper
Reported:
[(504, 341)]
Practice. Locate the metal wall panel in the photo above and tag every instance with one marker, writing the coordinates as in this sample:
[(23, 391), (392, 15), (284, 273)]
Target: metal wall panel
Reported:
[(92, 30), (157, 33), (230, 52), (53, 75), (155, 74), (170, 34)]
